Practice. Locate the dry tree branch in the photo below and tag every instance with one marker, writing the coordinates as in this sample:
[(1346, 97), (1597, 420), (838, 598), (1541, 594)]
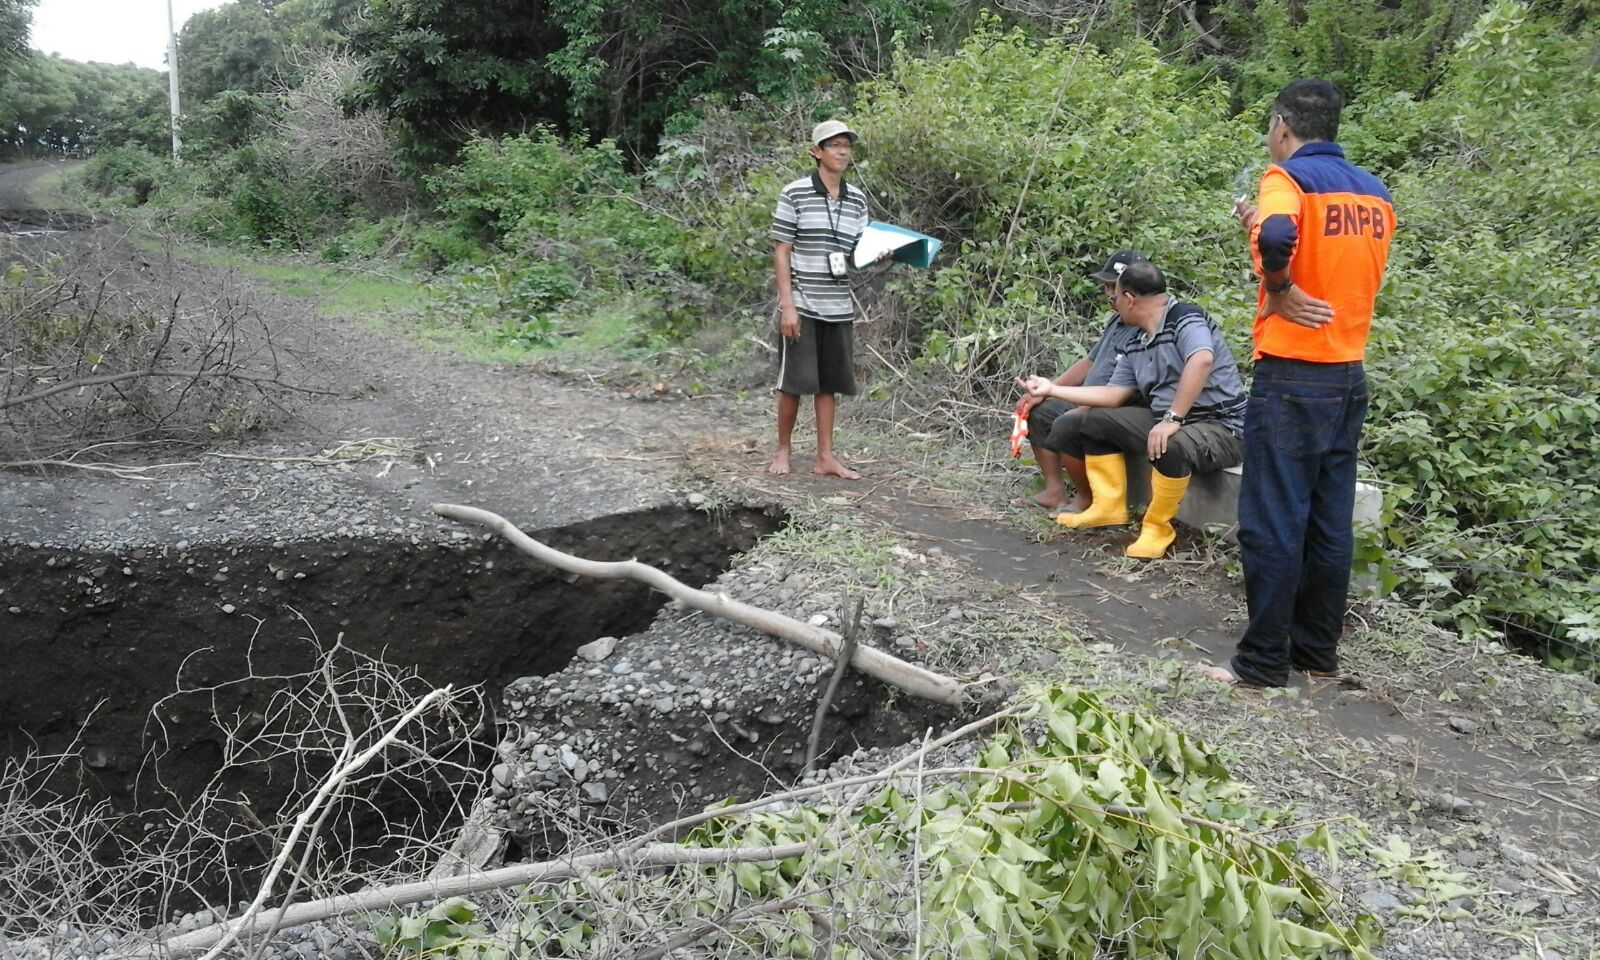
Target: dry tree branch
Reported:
[(707, 928), (634, 854), (192, 375), (915, 680), (842, 663), (565, 868), (348, 768)]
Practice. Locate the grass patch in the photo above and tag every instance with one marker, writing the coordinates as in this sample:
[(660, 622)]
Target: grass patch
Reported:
[(48, 190), (585, 331), (340, 290)]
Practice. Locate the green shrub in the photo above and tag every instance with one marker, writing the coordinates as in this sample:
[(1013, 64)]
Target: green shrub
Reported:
[(1484, 362), (538, 207), (365, 240), (513, 304), (1033, 159), (226, 122), (131, 172), (274, 205)]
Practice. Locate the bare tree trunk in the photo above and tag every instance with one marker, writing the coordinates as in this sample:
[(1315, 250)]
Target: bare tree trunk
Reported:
[(915, 680), (387, 898)]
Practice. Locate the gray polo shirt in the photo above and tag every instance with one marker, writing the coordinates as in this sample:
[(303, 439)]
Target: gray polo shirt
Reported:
[(817, 225), (1153, 364), (1105, 353)]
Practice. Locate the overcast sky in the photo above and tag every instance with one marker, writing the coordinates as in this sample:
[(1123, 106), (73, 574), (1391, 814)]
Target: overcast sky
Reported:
[(110, 31)]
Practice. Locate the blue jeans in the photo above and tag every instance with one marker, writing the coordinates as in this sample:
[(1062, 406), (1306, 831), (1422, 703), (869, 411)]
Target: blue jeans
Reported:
[(1295, 537)]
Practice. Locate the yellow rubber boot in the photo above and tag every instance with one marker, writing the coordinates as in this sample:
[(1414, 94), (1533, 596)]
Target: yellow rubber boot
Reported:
[(1156, 534), (1108, 481)]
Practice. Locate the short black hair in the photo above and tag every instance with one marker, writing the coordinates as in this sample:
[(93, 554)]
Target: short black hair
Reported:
[(1310, 108), (1142, 278)]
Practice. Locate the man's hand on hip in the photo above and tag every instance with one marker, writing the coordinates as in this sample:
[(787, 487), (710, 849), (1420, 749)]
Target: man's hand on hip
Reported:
[(1297, 306)]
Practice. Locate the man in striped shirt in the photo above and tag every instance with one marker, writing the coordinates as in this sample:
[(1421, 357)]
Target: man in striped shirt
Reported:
[(1181, 365), (815, 227)]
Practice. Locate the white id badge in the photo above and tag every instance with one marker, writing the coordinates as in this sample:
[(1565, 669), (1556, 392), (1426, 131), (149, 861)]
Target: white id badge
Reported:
[(837, 265)]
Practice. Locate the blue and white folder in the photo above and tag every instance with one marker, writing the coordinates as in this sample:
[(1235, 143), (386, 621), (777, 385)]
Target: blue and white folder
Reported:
[(906, 246)]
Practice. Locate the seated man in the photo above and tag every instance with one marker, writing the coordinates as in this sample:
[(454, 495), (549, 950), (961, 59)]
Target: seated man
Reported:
[(1181, 365), (1052, 423)]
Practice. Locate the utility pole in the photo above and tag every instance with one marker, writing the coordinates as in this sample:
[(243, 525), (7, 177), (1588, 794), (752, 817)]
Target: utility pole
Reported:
[(172, 81)]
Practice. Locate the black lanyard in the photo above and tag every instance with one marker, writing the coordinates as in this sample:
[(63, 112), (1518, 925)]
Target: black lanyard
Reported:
[(834, 217)]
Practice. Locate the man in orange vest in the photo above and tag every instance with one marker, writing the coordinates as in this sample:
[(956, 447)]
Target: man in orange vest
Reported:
[(1319, 235)]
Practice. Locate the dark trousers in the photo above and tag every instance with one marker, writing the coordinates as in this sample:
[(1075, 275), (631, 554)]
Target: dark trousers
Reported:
[(1300, 435), (1199, 447)]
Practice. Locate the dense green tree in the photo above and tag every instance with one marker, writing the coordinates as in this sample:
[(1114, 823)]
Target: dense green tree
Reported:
[(63, 106), (237, 46), (316, 23), (446, 68), (15, 18), (613, 68)]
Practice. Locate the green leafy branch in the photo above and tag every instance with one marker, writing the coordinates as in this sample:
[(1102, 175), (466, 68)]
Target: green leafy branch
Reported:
[(1078, 829)]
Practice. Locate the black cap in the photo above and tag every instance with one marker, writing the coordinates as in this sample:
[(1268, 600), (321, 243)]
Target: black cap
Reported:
[(1117, 263)]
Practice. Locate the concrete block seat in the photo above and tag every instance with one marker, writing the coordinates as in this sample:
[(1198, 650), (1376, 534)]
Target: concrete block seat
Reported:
[(1213, 498)]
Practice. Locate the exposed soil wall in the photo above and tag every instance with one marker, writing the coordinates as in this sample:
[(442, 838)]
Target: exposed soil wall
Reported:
[(114, 630)]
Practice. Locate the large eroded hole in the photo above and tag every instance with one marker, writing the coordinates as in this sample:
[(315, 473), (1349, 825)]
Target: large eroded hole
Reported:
[(91, 641)]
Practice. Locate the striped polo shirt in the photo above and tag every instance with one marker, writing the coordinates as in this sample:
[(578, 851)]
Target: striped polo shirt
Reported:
[(817, 225), (1105, 353), (1332, 222), (1152, 365)]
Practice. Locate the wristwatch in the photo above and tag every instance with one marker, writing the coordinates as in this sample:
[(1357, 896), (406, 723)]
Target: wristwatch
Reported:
[(1170, 417)]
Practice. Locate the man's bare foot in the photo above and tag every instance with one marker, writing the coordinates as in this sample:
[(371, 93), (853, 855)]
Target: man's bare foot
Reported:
[(780, 464), (831, 467), (1223, 675), (1047, 501), (1076, 505)]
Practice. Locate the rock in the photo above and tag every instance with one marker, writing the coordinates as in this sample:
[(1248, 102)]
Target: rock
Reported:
[(887, 623), (598, 650), (1376, 899), (1451, 804), (1517, 855), (595, 791), (501, 777), (1465, 725), (1468, 858), (1555, 906), (698, 500)]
